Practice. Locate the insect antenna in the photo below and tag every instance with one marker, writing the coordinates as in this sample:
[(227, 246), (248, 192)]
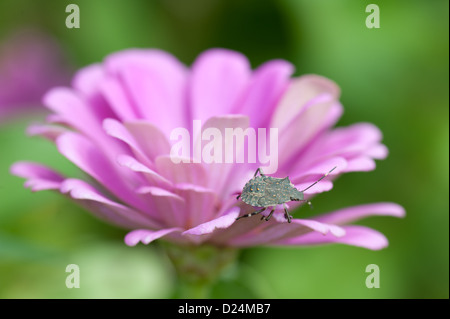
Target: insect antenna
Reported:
[(318, 180)]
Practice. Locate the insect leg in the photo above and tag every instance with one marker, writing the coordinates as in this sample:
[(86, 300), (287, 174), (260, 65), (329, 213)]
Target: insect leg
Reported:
[(260, 172), (238, 196), (268, 217), (251, 214), (286, 214)]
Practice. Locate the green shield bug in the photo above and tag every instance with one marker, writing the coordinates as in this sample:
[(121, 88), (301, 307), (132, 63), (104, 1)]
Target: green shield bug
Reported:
[(265, 191)]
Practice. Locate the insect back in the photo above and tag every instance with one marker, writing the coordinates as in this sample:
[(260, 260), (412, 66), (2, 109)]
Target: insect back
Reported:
[(254, 191), (264, 191), (278, 191)]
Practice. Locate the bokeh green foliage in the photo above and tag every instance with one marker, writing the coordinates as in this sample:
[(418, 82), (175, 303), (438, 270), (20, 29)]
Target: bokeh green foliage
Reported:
[(395, 77)]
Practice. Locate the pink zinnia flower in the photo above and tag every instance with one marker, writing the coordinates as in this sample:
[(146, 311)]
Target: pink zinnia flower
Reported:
[(31, 62), (115, 124)]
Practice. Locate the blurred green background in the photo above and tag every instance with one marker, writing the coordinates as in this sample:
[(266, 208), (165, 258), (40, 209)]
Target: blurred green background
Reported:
[(395, 77)]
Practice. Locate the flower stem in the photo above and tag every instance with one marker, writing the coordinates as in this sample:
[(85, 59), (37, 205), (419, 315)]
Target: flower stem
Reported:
[(198, 267), (193, 290)]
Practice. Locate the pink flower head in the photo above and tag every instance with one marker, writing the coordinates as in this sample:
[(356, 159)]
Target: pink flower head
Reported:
[(117, 124), (31, 62)]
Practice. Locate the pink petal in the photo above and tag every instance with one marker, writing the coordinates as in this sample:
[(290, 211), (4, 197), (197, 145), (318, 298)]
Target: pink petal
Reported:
[(275, 231), (360, 164), (39, 177), (87, 79), (147, 236), (378, 151), (157, 85), (318, 168), (104, 208), (209, 227), (222, 175), (358, 144), (152, 177), (192, 173), (34, 170), (117, 97), (80, 115), (322, 186), (304, 126), (63, 102), (201, 203), (149, 137), (320, 227), (351, 141), (87, 156), (170, 206), (47, 131), (37, 184), (359, 236), (145, 139), (351, 214), (333, 116), (218, 78), (86, 83), (56, 119), (301, 91), (267, 85), (116, 129)]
